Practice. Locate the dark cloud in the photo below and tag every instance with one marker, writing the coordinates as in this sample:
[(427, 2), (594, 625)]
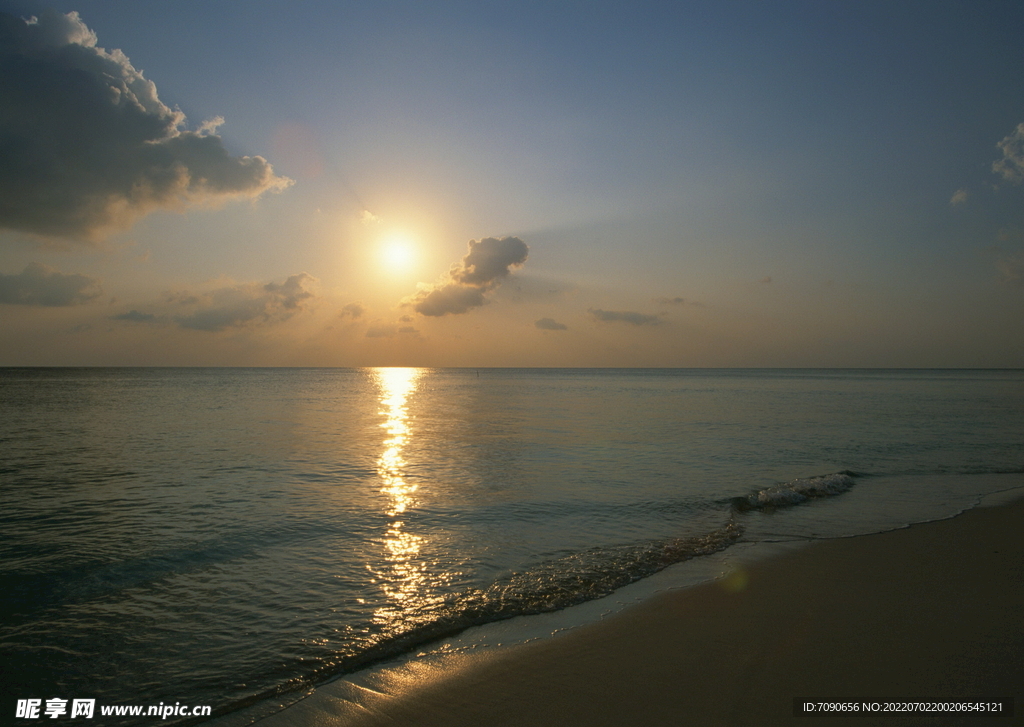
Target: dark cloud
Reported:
[(624, 316), (1011, 166), (488, 262), (451, 298), (246, 304), (39, 284), (86, 145), (550, 324), (135, 316)]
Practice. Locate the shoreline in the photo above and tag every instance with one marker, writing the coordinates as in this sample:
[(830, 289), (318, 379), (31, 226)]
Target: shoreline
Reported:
[(930, 612)]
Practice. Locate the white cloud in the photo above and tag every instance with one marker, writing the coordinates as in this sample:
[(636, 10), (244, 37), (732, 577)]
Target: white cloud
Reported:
[(959, 197), (86, 145)]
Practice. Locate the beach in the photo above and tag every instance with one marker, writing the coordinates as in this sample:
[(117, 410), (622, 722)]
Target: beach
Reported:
[(927, 613)]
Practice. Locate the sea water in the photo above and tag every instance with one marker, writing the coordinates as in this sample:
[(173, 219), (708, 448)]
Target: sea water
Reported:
[(226, 536)]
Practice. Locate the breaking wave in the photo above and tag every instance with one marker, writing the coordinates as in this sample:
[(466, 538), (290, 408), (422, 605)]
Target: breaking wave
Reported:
[(796, 491)]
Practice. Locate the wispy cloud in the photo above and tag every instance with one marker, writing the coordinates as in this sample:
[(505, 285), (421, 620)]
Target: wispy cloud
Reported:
[(488, 262), (624, 316), (959, 197), (1011, 166), (88, 147), (40, 284), (1011, 269)]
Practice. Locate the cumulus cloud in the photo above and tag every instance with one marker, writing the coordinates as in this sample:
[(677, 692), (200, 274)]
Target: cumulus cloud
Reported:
[(550, 324), (1011, 166), (245, 304), (86, 144), (488, 262), (624, 316), (40, 284), (959, 197)]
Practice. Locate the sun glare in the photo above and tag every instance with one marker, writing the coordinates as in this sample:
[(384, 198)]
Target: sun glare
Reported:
[(398, 252)]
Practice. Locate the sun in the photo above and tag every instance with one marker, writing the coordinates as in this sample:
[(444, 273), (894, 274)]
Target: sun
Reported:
[(398, 251)]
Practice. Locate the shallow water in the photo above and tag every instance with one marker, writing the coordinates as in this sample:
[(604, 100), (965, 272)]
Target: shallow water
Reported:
[(215, 536)]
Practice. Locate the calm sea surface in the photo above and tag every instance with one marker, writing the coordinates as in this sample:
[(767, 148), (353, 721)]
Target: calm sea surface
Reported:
[(219, 536)]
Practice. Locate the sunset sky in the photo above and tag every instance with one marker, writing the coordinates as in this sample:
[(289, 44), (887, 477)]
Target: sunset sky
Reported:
[(512, 184)]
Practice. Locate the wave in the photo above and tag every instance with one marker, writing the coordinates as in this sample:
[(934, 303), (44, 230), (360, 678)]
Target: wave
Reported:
[(547, 586), (796, 491)]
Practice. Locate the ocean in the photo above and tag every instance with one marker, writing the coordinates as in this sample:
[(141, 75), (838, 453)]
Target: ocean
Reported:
[(226, 537)]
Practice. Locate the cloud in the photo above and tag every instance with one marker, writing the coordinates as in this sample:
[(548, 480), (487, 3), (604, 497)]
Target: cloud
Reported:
[(1011, 166), (624, 316), (488, 262), (959, 197), (368, 218), (86, 145), (550, 324), (245, 304), (766, 279), (353, 310), (135, 316), (677, 301), (386, 330), (1011, 270), (40, 284), (448, 299)]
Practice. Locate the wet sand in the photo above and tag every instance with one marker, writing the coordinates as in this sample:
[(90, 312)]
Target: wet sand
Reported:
[(934, 612)]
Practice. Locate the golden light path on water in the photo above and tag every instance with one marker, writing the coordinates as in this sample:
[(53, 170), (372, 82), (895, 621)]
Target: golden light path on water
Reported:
[(403, 576)]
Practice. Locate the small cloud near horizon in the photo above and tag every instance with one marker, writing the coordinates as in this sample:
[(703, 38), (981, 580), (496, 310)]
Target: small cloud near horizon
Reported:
[(245, 304), (550, 324), (134, 316), (42, 285), (624, 316)]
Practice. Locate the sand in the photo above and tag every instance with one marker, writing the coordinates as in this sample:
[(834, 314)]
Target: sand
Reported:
[(933, 612)]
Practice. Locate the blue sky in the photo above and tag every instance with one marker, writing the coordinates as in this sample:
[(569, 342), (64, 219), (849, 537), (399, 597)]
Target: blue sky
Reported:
[(697, 184)]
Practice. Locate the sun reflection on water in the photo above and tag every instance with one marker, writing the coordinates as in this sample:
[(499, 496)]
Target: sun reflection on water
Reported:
[(404, 577)]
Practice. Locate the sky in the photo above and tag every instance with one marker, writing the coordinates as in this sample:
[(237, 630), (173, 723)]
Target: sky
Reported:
[(662, 184)]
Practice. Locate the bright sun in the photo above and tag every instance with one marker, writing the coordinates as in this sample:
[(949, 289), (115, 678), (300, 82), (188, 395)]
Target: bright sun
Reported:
[(398, 251)]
